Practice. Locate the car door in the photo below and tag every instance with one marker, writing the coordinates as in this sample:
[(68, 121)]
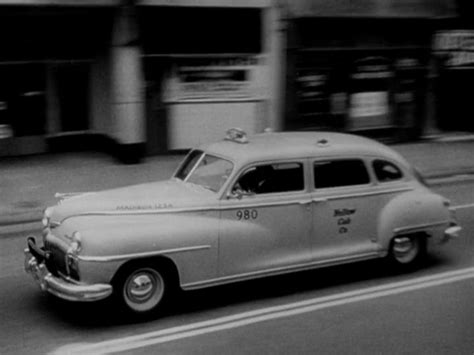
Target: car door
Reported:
[(265, 220), (345, 209)]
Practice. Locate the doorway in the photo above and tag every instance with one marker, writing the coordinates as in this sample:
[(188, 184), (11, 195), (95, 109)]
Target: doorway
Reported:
[(72, 88), (156, 109), (22, 109)]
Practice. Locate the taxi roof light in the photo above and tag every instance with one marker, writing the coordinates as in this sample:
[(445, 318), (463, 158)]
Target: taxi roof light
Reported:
[(236, 135)]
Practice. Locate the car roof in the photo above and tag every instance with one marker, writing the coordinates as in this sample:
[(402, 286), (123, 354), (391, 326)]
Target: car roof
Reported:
[(294, 145)]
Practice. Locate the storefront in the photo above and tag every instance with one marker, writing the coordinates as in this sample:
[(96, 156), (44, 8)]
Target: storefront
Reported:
[(22, 106), (454, 49), (45, 73), (359, 67), (135, 78), (206, 69), (206, 96)]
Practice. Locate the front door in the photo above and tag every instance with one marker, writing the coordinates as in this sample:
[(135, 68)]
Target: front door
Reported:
[(266, 222)]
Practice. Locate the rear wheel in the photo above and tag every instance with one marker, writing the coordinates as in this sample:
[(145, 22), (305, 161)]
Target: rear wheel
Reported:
[(407, 250), (142, 289)]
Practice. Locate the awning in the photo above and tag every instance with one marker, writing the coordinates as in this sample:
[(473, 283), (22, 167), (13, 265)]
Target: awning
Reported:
[(372, 8)]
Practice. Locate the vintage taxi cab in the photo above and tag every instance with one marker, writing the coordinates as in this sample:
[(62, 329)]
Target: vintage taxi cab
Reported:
[(241, 208)]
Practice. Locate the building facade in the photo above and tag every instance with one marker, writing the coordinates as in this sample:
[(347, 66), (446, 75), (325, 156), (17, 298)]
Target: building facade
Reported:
[(47, 55), (142, 77), (453, 46), (362, 66), (208, 69), (135, 77)]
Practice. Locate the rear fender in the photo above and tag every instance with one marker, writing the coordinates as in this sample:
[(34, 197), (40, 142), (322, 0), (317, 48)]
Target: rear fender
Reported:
[(412, 212)]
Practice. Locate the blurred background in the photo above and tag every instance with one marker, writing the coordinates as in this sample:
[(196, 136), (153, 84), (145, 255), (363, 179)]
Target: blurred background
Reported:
[(137, 78)]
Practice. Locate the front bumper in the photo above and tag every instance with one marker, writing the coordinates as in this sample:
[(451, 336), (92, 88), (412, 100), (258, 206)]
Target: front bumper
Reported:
[(61, 287)]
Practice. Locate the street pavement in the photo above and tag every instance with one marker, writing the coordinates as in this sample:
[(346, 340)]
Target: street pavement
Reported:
[(28, 184), (364, 308)]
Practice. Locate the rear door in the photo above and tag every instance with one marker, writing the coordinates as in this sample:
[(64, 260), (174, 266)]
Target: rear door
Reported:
[(345, 209)]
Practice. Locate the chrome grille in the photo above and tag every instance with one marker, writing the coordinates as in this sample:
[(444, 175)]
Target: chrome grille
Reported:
[(56, 261)]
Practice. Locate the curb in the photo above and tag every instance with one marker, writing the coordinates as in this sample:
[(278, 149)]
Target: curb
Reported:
[(434, 179), (449, 138)]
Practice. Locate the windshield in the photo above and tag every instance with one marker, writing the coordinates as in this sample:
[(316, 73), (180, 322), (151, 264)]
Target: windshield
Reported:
[(205, 170)]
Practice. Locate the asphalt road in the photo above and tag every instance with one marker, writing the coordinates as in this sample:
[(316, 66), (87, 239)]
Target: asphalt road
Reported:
[(359, 308)]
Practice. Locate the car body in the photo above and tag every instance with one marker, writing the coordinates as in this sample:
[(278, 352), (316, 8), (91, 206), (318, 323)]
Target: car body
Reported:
[(239, 209)]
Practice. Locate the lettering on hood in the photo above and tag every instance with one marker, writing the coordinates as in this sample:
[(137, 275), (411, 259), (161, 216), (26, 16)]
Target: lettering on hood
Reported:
[(155, 206)]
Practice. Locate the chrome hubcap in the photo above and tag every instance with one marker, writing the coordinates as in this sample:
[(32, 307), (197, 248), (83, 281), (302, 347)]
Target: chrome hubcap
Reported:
[(405, 249), (141, 287), (143, 290)]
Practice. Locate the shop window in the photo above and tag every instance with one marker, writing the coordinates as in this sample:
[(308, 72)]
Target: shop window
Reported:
[(408, 95), (369, 103), (22, 99), (213, 78), (313, 92), (339, 173), (320, 92)]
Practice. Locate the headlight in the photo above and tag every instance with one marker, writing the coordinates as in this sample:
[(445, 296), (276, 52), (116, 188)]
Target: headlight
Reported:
[(45, 221), (76, 244), (46, 217), (72, 264)]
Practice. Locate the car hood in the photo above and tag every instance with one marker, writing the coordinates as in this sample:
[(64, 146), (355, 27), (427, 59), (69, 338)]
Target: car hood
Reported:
[(143, 198)]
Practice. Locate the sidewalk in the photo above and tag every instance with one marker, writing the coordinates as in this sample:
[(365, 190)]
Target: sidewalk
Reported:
[(28, 185), (440, 158)]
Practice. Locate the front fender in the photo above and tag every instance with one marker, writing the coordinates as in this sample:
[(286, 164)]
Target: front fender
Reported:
[(412, 211), (108, 241)]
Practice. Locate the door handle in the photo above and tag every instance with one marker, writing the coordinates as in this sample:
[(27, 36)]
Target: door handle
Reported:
[(313, 200)]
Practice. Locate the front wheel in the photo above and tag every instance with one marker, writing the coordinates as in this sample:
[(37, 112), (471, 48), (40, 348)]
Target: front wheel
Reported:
[(407, 250), (141, 289)]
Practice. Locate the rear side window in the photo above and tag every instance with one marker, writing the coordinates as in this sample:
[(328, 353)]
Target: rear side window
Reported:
[(337, 173), (386, 171)]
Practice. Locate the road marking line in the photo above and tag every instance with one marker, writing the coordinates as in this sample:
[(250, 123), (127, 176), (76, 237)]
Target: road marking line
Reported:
[(265, 314), (458, 207)]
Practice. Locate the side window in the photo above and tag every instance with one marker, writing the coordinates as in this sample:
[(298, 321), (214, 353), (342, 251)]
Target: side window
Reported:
[(337, 173), (271, 178), (386, 171)]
